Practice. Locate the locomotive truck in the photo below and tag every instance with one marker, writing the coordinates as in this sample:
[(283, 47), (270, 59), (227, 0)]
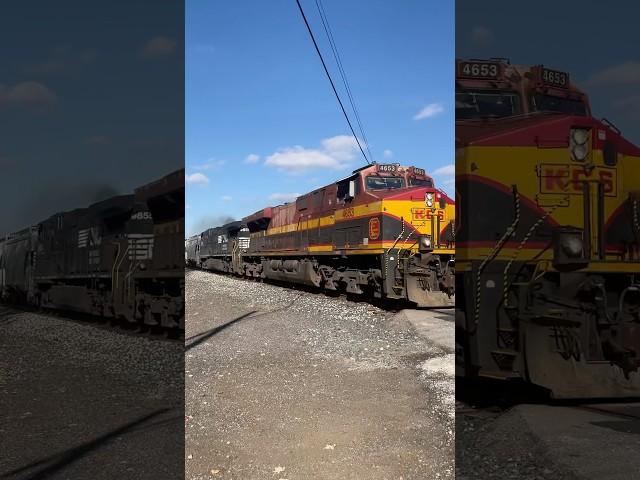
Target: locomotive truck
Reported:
[(548, 235)]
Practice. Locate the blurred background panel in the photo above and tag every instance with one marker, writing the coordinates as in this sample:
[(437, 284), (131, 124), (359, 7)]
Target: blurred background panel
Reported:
[(548, 239), (91, 239)]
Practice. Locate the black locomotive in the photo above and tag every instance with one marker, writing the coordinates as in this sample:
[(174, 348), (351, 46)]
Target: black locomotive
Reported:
[(120, 258)]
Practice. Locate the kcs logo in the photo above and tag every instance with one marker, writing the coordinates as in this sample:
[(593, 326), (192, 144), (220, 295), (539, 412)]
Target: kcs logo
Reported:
[(426, 214), (569, 179)]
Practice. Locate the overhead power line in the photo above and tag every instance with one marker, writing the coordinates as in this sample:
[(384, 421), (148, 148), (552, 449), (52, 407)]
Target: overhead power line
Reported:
[(345, 81), (326, 70)]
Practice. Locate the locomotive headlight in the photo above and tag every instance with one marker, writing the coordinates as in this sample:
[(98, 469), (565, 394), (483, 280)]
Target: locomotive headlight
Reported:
[(569, 247), (428, 199), (572, 246), (579, 144), (580, 135), (579, 153), (424, 243)]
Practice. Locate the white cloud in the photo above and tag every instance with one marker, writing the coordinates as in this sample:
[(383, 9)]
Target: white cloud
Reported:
[(629, 105), (336, 153), (98, 140), (341, 147), (28, 94), (445, 176), (623, 74), (252, 158), (226, 198), (62, 58), (197, 179), (209, 164), (204, 48), (387, 154), (447, 170), (298, 159), (284, 197), (429, 111), (449, 183), (481, 36), (158, 47)]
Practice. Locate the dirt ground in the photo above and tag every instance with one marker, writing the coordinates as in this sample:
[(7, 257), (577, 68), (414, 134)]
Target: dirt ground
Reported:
[(284, 384)]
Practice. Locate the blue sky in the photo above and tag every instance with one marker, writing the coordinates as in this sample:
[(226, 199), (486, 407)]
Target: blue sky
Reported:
[(91, 102), (261, 120), (596, 42)]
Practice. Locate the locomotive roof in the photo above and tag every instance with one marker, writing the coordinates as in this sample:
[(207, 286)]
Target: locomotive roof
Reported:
[(169, 183), (16, 235), (122, 201), (226, 228), (235, 225)]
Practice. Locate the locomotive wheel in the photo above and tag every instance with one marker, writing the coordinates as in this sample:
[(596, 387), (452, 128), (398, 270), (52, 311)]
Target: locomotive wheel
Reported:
[(141, 328)]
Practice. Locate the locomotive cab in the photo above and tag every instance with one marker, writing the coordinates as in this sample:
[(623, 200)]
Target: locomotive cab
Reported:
[(494, 88), (549, 90)]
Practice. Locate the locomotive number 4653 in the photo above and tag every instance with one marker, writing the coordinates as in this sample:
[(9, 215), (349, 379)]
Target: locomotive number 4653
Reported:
[(483, 70)]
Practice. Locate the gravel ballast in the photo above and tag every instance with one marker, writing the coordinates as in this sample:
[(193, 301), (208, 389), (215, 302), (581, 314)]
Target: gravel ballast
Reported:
[(288, 384), (82, 401)]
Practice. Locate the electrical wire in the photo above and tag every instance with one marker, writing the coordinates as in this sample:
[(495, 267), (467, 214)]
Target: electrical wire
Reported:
[(326, 71), (345, 81)]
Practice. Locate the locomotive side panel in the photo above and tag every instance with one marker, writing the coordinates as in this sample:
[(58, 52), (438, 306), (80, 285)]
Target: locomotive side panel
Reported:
[(16, 266)]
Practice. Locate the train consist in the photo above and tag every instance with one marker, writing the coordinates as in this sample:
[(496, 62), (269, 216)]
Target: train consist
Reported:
[(548, 239), (385, 232), (120, 258)]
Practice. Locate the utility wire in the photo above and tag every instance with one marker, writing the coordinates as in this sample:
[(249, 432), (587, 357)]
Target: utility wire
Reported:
[(315, 44), (345, 81)]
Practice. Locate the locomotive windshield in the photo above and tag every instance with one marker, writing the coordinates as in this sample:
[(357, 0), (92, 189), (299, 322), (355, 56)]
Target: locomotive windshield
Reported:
[(382, 183), (422, 182), (550, 103), (487, 104)]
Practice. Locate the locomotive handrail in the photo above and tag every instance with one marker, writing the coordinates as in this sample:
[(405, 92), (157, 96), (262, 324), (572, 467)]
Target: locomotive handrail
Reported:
[(113, 269), (508, 233), (117, 268), (610, 124)]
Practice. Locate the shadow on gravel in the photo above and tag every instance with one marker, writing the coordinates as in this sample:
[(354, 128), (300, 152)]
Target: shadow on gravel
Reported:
[(54, 463), (498, 394), (7, 315), (201, 337), (204, 336)]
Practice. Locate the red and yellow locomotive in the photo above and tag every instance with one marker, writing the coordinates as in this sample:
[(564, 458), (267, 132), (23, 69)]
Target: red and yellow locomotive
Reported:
[(384, 231), (549, 239)]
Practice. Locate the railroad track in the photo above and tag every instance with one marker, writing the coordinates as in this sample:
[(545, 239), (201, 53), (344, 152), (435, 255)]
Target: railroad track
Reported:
[(389, 305), (118, 326), (623, 409), (488, 399)]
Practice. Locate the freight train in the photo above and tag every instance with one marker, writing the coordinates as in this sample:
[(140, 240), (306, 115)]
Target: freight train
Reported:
[(120, 258), (385, 231), (548, 235)]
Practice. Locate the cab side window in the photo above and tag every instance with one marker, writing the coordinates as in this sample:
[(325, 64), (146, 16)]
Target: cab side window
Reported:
[(342, 193)]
